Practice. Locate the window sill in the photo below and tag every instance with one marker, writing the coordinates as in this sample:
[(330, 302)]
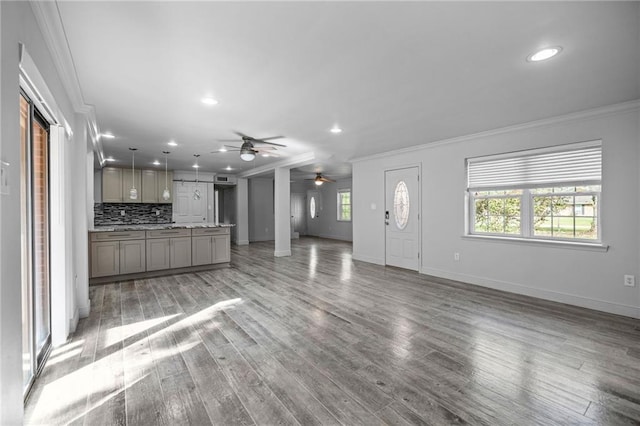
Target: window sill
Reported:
[(549, 243)]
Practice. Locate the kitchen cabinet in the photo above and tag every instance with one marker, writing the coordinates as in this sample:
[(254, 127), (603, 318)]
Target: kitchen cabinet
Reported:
[(132, 256), (112, 185), (149, 186), (168, 248), (115, 253), (210, 245), (116, 183)]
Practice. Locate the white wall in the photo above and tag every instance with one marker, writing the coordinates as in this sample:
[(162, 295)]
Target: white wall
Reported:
[(585, 278), (261, 210), (327, 224), (18, 25)]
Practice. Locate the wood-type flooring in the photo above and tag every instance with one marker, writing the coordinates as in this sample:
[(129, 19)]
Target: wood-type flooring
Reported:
[(318, 338)]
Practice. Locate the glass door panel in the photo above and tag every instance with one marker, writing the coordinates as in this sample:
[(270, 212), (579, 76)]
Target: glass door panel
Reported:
[(34, 195)]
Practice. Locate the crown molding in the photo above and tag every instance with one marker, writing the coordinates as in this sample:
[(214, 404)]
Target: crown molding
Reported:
[(566, 118), (296, 161), (50, 23)]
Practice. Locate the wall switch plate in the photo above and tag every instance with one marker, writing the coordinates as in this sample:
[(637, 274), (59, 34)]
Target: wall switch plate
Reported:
[(157, 212), (122, 213), (630, 280)]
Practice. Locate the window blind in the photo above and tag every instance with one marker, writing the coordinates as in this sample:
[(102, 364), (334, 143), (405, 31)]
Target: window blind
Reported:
[(537, 168)]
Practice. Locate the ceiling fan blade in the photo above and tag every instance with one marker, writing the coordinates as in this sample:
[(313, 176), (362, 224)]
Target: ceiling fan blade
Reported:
[(242, 135), (270, 138), (270, 143), (324, 179)]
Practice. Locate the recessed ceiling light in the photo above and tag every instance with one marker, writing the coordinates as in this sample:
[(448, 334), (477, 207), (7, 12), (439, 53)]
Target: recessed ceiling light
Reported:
[(228, 168), (172, 143), (265, 154), (110, 159), (156, 163), (223, 149), (195, 166), (107, 135), (209, 101), (336, 129), (544, 54)]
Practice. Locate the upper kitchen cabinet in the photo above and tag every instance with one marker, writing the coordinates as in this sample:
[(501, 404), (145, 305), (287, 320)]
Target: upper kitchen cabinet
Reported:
[(131, 178), (149, 186), (117, 182), (111, 185)]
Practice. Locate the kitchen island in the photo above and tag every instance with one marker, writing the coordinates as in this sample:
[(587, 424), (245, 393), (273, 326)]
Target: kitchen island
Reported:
[(132, 251)]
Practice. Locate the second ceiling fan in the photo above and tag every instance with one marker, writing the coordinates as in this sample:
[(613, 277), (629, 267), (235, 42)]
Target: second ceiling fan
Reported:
[(319, 179)]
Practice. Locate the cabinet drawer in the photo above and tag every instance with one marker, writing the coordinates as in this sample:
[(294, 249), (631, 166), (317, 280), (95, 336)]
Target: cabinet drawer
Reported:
[(117, 236), (169, 233), (209, 231)]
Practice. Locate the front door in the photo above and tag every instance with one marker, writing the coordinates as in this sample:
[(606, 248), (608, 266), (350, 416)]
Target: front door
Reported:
[(402, 218)]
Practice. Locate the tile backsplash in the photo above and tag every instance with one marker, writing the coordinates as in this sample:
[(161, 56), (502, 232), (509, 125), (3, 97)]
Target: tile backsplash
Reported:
[(134, 213)]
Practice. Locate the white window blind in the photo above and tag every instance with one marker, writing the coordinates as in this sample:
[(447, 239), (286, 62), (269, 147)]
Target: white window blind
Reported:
[(558, 166)]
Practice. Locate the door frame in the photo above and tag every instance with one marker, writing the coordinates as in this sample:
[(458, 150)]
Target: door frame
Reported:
[(420, 213)]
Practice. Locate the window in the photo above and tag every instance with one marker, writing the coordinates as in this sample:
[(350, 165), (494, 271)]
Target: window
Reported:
[(539, 194), (312, 207), (344, 205), (401, 205)]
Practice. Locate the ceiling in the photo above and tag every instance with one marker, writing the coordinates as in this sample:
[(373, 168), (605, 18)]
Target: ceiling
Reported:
[(390, 74)]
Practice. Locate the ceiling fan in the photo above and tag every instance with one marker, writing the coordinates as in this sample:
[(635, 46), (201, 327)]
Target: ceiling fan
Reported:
[(319, 179), (248, 150)]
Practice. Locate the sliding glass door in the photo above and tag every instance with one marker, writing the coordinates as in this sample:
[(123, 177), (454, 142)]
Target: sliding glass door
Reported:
[(36, 286)]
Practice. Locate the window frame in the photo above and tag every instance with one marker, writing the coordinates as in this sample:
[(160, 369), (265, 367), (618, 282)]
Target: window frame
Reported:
[(339, 204)]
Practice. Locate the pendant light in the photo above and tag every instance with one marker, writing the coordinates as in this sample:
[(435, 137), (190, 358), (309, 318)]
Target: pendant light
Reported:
[(196, 192), (166, 195), (133, 192)]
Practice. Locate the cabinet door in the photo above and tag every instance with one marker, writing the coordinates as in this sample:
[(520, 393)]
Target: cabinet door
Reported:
[(111, 185), (158, 254), (180, 252), (221, 248), (201, 252), (126, 185), (104, 259), (168, 180), (132, 256), (149, 186)]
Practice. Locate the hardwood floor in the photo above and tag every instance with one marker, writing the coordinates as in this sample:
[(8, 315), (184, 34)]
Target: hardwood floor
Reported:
[(317, 338)]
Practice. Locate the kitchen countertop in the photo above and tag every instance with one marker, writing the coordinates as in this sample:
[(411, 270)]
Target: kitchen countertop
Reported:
[(154, 226)]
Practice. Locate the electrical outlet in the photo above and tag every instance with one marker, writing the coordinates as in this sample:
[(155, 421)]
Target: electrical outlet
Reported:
[(456, 256), (122, 213), (630, 280), (157, 212)]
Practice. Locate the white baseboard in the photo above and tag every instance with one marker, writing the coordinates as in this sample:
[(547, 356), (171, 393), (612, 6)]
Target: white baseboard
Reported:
[(554, 296), (73, 322), (85, 310), (242, 242), (282, 253), (368, 259)]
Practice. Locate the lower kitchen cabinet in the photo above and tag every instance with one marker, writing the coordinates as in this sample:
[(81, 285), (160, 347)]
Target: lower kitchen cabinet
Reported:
[(132, 252), (115, 253), (105, 260), (210, 245), (168, 249), (132, 257)]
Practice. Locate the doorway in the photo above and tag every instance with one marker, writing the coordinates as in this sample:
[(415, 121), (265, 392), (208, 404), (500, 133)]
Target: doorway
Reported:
[(35, 240), (402, 218), (297, 215)]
